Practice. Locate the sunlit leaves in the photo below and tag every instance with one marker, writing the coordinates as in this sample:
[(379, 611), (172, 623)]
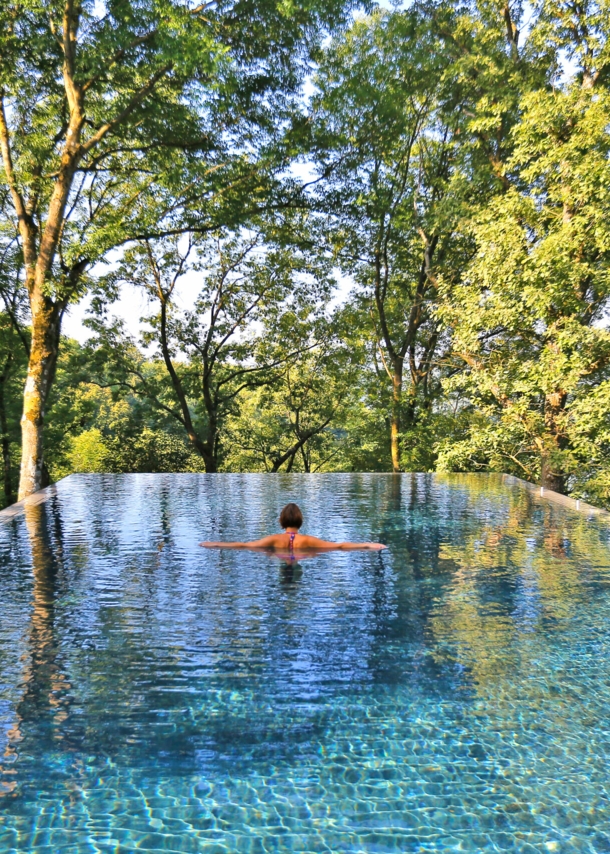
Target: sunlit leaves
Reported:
[(528, 316)]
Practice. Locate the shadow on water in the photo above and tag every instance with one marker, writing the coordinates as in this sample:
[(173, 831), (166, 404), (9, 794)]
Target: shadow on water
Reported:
[(291, 573), (45, 687)]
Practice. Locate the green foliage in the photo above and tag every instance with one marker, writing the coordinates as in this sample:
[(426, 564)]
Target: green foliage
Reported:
[(295, 421), (151, 451), (96, 429), (256, 311), (13, 362), (460, 183), (527, 316), (88, 452), (14, 348), (590, 442), (387, 133), (120, 121), (178, 106)]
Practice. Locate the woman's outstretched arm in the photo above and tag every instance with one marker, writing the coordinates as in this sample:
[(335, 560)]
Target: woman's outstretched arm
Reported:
[(265, 543), (305, 543), (354, 546), (315, 543)]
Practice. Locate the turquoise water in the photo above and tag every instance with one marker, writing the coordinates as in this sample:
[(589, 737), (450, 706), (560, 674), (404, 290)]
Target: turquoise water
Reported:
[(449, 694)]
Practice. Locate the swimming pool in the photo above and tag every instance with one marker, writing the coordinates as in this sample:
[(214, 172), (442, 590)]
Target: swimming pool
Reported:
[(449, 694)]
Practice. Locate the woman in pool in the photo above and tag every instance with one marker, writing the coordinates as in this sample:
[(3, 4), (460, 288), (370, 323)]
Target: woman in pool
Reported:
[(291, 520)]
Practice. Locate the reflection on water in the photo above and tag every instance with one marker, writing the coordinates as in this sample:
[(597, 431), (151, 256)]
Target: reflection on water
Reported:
[(451, 692), (291, 572)]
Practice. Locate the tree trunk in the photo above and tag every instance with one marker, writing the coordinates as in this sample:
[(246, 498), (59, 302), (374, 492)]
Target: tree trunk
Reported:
[(6, 445), (41, 371), (303, 438), (551, 474), (395, 422), (205, 449), (45, 681), (209, 447), (550, 479), (209, 460)]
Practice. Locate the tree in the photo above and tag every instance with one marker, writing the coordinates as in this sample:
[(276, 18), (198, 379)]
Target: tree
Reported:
[(95, 429), (385, 136), (14, 349), (296, 421), (13, 361), (116, 118), (251, 296), (528, 317)]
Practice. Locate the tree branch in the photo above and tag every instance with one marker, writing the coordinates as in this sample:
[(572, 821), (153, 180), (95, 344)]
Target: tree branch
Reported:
[(133, 103), (279, 461), (7, 159)]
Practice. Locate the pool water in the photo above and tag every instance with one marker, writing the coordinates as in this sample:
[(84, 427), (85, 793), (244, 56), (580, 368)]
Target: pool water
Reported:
[(449, 694)]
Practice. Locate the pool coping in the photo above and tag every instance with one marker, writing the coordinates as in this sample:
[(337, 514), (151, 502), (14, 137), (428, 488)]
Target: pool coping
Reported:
[(32, 500), (557, 497), (17, 509)]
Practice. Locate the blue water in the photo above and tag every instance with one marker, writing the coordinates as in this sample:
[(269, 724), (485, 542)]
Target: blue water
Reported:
[(450, 694)]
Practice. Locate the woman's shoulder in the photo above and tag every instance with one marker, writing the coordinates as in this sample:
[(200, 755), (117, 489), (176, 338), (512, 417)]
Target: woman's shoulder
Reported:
[(306, 541), (276, 541)]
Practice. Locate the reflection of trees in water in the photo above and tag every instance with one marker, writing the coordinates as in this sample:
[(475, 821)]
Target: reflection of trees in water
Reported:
[(125, 630), (45, 687), (476, 564), (520, 576), (237, 624), (414, 525), (169, 651), (16, 598)]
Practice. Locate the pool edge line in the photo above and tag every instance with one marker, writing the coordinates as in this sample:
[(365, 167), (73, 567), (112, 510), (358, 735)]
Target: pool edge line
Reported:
[(43, 495), (557, 497), (14, 510)]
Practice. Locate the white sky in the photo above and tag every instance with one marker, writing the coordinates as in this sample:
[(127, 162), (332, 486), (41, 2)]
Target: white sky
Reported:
[(130, 308)]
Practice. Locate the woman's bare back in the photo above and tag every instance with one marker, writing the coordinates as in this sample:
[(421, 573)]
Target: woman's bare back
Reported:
[(291, 540)]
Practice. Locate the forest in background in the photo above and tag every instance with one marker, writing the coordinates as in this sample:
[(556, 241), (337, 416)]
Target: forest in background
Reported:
[(396, 221)]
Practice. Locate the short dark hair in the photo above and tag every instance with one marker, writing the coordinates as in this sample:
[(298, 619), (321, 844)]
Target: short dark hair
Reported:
[(291, 517)]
